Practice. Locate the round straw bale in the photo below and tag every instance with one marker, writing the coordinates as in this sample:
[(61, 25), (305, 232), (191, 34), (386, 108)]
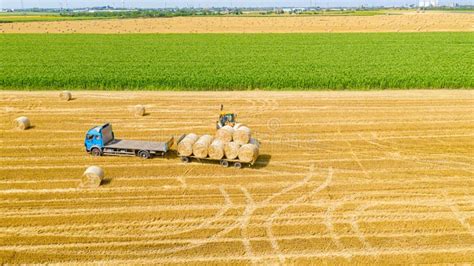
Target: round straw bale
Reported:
[(201, 146), (242, 135), (92, 177), (22, 123), (225, 133), (185, 146), (254, 142), (248, 153), (216, 149), (65, 95), (236, 126), (139, 110), (231, 150), (191, 137)]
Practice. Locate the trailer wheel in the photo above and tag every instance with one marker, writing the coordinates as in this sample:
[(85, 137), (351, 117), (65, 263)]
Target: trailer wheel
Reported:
[(144, 154), (224, 163), (185, 159), (96, 152), (237, 165)]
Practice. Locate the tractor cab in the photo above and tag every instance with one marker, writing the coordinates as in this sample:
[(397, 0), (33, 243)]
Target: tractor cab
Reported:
[(226, 119)]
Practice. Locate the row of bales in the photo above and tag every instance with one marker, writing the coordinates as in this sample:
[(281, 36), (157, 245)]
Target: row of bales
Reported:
[(231, 143), (24, 123)]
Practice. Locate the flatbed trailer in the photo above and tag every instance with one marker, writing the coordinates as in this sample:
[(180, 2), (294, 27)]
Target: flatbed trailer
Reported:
[(134, 147), (101, 141), (224, 162)]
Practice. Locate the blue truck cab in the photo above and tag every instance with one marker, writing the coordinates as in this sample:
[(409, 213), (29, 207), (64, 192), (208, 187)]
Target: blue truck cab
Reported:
[(100, 140), (95, 138)]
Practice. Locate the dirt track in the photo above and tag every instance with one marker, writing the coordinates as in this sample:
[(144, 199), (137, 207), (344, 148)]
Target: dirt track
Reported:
[(406, 22), (368, 177)]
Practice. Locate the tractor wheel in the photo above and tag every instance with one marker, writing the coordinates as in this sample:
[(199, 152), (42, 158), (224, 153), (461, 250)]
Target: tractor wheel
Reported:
[(96, 152), (224, 163), (144, 154), (185, 159), (237, 165)]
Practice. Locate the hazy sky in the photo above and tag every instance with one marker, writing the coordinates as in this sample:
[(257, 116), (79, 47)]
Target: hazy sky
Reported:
[(210, 3)]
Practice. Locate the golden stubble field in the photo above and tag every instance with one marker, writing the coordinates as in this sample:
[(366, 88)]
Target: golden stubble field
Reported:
[(360, 177), (399, 22)]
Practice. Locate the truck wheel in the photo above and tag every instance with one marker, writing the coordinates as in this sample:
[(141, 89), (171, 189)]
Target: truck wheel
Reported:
[(238, 165), (144, 154), (224, 163), (185, 159), (96, 152)]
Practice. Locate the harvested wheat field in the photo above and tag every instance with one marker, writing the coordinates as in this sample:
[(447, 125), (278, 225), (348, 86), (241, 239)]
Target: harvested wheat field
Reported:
[(360, 177), (399, 22)]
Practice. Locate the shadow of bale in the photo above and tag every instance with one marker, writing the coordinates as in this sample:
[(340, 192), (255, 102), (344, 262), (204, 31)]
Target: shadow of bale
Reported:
[(105, 181), (171, 155), (262, 161)]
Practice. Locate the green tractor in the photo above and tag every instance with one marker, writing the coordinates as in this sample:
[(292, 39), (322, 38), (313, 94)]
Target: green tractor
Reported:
[(226, 119)]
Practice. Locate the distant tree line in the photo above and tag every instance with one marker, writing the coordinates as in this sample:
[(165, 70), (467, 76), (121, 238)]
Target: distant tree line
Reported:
[(151, 13)]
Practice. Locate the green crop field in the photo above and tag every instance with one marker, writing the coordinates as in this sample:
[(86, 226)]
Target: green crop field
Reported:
[(237, 61)]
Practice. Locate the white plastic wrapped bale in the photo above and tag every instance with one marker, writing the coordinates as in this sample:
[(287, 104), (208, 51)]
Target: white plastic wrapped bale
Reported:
[(185, 146), (201, 146), (92, 177), (22, 123), (216, 149), (231, 150), (248, 153), (242, 135), (225, 133)]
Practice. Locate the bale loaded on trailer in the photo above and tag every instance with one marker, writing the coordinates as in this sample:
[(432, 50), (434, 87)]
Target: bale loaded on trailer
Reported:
[(224, 162)]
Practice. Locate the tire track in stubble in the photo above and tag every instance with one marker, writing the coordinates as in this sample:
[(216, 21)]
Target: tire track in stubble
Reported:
[(328, 222), (250, 208), (456, 212), (276, 213)]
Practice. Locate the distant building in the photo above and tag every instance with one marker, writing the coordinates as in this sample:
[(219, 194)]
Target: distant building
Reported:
[(428, 3)]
